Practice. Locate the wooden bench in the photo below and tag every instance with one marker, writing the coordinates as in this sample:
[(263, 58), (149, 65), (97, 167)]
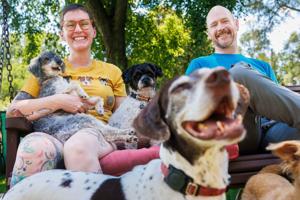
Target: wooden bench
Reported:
[(240, 169)]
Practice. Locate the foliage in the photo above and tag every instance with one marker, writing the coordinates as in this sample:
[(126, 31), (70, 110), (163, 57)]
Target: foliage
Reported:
[(164, 45), (269, 12), (168, 33), (290, 58)]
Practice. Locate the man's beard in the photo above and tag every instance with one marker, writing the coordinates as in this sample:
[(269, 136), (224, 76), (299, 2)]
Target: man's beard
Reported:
[(226, 44)]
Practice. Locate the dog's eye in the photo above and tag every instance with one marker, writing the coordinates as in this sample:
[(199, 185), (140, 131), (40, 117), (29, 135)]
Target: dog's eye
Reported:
[(181, 87), (45, 60), (137, 75)]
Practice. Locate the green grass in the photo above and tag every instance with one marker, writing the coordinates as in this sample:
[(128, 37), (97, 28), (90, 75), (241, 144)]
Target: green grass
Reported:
[(231, 194), (2, 184)]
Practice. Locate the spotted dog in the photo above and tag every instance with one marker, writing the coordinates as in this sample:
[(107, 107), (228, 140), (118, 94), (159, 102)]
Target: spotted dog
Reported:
[(194, 117), (48, 68)]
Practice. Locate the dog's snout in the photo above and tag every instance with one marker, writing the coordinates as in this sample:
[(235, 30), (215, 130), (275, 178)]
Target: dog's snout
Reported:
[(146, 80), (218, 77)]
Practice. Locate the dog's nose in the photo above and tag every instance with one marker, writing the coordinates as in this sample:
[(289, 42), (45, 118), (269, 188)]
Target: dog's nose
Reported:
[(218, 77), (146, 80)]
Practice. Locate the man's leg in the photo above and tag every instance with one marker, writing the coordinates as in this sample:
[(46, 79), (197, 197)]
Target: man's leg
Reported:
[(253, 137), (280, 132), (266, 99)]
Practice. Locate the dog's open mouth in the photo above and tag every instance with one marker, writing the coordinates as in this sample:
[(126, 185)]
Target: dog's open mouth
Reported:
[(219, 125)]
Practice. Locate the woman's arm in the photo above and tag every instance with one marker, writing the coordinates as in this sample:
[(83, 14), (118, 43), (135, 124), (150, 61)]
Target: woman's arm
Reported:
[(34, 108)]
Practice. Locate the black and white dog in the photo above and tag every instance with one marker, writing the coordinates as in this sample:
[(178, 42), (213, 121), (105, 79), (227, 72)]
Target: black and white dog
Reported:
[(194, 118), (48, 68), (141, 79)]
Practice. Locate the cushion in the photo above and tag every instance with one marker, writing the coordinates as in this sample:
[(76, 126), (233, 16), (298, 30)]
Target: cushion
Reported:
[(121, 161)]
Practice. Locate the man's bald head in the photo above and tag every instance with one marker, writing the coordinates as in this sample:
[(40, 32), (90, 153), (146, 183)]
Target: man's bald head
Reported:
[(217, 11), (222, 29)]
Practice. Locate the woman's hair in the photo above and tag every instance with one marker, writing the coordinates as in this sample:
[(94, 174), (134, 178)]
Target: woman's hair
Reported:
[(72, 7)]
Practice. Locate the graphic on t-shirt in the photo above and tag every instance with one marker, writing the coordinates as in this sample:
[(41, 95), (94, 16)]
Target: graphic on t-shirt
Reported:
[(105, 81), (110, 100), (85, 80)]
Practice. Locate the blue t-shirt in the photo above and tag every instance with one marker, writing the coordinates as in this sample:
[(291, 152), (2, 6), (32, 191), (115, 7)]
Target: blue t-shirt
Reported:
[(228, 60)]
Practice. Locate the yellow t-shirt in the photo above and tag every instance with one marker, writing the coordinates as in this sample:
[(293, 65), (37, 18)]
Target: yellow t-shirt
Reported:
[(99, 79)]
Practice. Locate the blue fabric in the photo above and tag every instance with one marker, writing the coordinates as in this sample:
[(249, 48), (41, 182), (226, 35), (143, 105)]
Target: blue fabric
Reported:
[(279, 132), (227, 61)]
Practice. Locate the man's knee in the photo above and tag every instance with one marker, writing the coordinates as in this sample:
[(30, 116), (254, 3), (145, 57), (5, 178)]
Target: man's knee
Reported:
[(242, 73)]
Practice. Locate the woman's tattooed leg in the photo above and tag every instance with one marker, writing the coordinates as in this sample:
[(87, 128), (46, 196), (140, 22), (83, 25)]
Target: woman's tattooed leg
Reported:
[(37, 152)]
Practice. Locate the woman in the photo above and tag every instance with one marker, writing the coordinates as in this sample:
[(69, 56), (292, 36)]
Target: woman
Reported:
[(40, 151)]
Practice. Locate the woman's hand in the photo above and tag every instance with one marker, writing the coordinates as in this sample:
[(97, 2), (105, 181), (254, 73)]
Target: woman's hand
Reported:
[(70, 103)]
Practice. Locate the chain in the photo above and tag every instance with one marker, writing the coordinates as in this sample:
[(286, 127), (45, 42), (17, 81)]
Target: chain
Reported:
[(5, 54), (2, 52)]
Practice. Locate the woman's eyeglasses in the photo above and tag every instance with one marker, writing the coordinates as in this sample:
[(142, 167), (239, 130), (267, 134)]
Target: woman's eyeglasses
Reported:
[(71, 25)]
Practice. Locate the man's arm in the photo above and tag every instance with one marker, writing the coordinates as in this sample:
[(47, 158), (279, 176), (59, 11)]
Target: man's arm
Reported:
[(194, 64)]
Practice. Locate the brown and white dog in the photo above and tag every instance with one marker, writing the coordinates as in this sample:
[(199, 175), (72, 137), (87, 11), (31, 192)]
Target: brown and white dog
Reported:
[(194, 118), (269, 184)]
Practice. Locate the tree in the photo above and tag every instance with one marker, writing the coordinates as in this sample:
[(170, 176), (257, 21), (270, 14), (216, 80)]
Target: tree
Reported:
[(290, 58), (164, 45), (270, 12), (111, 21)]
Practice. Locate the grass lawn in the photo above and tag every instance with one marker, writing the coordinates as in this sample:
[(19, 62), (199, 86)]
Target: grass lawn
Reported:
[(2, 184)]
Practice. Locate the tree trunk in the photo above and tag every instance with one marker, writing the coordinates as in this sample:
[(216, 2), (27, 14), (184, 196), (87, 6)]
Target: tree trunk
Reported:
[(110, 18)]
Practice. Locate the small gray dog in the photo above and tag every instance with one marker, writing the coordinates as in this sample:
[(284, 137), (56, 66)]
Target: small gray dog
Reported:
[(48, 68)]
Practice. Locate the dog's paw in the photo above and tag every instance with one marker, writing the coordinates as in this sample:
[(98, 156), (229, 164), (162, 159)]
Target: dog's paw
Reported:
[(99, 104), (99, 109)]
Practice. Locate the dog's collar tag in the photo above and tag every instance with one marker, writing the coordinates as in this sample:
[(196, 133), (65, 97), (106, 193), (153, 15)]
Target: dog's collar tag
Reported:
[(179, 181), (142, 106)]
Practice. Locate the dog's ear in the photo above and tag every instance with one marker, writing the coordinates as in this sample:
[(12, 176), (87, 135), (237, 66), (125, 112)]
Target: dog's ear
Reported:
[(287, 150), (35, 67), (156, 69), (126, 75), (243, 101), (151, 121)]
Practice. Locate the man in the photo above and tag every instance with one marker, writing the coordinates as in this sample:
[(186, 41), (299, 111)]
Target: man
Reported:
[(268, 99)]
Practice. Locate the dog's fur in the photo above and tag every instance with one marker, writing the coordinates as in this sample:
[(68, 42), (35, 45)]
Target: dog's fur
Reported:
[(269, 184), (47, 68), (141, 79), (193, 116)]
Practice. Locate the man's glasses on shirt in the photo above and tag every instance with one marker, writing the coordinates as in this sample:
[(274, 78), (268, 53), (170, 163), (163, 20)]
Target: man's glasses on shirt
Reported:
[(71, 25)]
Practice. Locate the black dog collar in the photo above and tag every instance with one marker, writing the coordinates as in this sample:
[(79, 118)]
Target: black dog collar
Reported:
[(181, 182)]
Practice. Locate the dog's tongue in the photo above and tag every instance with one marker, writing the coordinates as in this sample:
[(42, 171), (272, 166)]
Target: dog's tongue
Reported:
[(218, 127)]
